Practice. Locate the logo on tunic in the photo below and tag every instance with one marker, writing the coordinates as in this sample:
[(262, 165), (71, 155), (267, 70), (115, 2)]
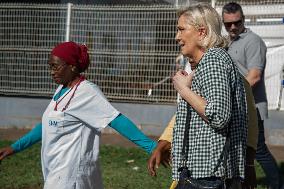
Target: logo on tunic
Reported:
[(52, 123)]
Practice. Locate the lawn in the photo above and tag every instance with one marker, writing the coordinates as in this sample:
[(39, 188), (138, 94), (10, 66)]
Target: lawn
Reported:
[(123, 168)]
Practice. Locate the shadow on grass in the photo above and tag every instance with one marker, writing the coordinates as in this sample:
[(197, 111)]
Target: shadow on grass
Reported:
[(262, 180), (281, 166)]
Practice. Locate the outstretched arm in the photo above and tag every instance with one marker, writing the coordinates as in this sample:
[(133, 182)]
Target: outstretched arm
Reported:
[(128, 129), (29, 139), (24, 142)]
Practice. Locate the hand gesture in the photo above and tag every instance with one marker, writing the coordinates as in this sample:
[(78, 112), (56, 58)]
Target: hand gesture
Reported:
[(162, 154), (182, 80)]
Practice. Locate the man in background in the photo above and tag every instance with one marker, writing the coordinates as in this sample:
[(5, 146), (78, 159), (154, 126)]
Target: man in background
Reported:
[(248, 52)]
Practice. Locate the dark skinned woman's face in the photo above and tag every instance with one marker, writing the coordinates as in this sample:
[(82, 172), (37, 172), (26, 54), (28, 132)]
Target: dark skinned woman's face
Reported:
[(60, 71)]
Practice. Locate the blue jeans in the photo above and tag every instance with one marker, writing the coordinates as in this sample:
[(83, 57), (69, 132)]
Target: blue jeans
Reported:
[(266, 160)]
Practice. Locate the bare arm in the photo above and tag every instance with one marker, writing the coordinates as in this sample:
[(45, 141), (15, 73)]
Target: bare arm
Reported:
[(253, 76), (182, 83), (197, 102)]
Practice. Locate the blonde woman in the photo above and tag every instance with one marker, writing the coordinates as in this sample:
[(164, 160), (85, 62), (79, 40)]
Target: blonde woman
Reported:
[(213, 97)]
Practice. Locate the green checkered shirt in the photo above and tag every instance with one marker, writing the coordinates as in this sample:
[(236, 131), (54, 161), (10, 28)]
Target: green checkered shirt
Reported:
[(218, 81)]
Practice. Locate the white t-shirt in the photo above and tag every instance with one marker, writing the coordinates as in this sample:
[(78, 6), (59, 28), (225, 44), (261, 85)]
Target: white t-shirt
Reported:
[(187, 68), (70, 139)]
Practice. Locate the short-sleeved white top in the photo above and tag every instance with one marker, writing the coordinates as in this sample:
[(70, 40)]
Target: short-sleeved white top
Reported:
[(70, 138)]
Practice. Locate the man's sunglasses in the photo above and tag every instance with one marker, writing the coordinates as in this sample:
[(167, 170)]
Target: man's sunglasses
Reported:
[(236, 23)]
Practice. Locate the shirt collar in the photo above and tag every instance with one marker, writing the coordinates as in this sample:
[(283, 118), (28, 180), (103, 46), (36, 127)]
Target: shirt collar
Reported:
[(243, 34)]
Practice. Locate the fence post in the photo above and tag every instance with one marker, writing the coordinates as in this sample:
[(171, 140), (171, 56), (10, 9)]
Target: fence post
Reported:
[(213, 3), (69, 8), (281, 89)]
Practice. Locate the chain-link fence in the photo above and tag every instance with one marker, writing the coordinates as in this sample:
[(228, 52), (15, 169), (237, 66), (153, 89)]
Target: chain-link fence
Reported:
[(265, 18)]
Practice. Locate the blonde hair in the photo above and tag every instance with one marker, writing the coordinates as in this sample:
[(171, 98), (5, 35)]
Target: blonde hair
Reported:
[(203, 15)]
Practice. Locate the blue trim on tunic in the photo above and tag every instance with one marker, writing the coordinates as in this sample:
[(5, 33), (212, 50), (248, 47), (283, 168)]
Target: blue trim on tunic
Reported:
[(121, 124), (128, 129)]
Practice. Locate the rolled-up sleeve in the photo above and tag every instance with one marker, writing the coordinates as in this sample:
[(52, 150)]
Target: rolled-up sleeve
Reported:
[(168, 132), (214, 79)]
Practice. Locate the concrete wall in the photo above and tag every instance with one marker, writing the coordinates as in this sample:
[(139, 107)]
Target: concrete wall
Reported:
[(150, 118), (25, 112)]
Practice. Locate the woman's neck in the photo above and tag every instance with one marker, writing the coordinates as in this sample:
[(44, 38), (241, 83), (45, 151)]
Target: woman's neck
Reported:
[(196, 59), (73, 82)]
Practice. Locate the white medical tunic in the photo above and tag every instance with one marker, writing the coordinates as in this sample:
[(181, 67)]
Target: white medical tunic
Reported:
[(70, 138)]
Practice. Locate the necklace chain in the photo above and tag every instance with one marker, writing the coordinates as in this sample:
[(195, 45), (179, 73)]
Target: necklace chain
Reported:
[(82, 78)]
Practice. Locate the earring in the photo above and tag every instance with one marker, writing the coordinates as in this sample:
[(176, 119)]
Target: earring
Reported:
[(73, 69)]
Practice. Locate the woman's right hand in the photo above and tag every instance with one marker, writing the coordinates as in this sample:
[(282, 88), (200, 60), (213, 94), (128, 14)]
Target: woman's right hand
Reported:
[(6, 151), (182, 80)]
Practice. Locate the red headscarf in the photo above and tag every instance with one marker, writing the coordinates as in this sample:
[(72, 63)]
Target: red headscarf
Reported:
[(73, 54)]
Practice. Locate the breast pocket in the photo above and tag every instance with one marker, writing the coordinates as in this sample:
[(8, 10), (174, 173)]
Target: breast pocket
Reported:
[(56, 122)]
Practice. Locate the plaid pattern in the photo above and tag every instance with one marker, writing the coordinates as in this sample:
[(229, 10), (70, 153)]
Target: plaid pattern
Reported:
[(218, 81)]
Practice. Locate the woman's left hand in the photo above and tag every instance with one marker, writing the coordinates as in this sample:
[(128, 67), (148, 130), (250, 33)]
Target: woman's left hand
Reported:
[(162, 154), (182, 80)]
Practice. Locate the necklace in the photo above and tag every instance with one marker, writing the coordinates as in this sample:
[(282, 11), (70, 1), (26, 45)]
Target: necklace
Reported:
[(82, 78)]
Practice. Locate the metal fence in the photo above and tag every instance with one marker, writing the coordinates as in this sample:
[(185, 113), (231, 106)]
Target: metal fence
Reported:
[(131, 47), (266, 18)]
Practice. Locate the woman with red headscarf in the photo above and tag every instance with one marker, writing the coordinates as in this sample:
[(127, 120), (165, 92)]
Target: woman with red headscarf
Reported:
[(72, 122)]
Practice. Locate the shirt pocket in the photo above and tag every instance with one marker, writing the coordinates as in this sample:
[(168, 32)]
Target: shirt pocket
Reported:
[(56, 121)]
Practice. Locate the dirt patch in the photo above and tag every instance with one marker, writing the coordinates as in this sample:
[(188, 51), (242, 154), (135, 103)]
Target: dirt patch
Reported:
[(12, 134), (116, 139)]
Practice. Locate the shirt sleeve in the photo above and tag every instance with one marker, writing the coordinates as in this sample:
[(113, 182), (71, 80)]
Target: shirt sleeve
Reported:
[(128, 129), (91, 107), (168, 132), (214, 86), (255, 53), (29, 139)]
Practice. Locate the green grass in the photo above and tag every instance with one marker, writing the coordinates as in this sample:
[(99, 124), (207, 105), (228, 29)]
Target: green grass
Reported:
[(23, 170)]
